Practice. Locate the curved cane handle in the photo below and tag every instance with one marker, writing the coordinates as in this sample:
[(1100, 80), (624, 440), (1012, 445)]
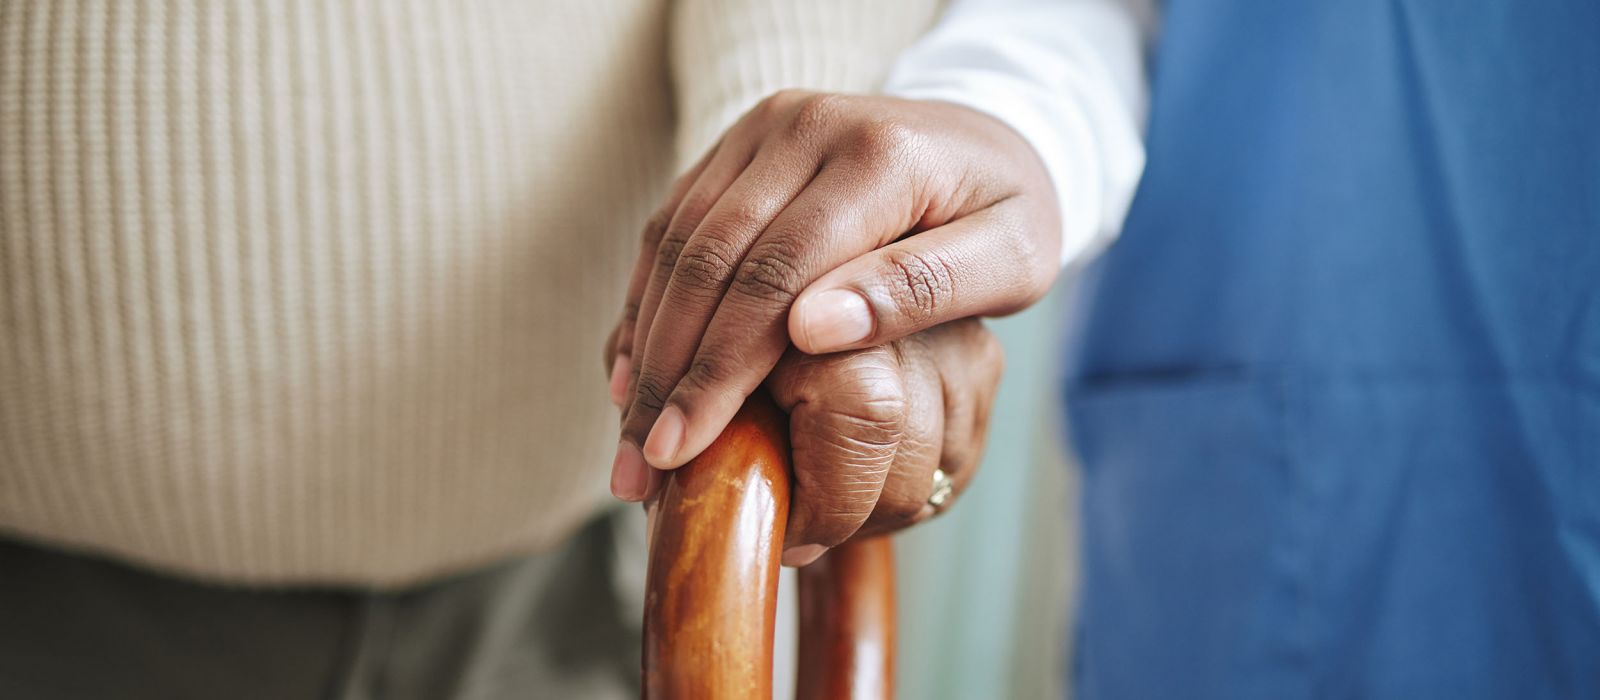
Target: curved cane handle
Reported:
[(711, 591), (712, 588)]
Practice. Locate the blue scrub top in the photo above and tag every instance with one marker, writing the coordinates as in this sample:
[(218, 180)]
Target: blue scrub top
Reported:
[(1336, 390)]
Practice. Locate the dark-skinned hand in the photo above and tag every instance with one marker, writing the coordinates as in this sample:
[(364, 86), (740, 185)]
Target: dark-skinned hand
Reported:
[(867, 429), (831, 222)]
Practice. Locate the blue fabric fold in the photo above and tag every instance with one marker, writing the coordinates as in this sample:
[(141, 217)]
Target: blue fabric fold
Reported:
[(1336, 391)]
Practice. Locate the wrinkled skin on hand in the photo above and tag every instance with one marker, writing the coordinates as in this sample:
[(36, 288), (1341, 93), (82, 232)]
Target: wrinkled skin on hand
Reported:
[(828, 223), (867, 429)]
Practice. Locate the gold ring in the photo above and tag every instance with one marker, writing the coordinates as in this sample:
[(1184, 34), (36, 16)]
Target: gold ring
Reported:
[(943, 487)]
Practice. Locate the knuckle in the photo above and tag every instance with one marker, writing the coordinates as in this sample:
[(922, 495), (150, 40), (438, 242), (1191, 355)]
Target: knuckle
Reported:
[(874, 395), (882, 408), (861, 416), (885, 139), (769, 275), (651, 394), (668, 252), (813, 115), (865, 437), (737, 222), (703, 266), (925, 284)]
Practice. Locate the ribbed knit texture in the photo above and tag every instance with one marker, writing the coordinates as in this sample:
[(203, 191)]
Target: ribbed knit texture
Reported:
[(314, 292)]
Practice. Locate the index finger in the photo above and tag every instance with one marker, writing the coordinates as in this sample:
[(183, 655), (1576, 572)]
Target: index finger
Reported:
[(620, 347), (840, 215)]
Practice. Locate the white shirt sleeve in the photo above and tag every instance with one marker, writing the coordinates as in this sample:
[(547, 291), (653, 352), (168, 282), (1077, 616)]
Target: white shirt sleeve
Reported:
[(1067, 75)]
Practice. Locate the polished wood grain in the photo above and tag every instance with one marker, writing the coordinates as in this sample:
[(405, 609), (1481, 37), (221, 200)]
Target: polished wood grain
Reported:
[(710, 602), (847, 609), (711, 596)]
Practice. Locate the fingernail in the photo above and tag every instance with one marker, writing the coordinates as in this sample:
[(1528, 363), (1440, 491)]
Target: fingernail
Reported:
[(665, 438), (619, 379), (630, 476), (652, 488), (803, 554), (834, 319)]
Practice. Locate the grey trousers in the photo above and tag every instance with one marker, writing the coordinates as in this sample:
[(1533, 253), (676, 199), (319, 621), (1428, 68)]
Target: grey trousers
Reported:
[(552, 625)]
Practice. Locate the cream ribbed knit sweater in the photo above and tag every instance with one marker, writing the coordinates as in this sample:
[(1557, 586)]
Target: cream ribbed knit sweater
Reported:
[(314, 291)]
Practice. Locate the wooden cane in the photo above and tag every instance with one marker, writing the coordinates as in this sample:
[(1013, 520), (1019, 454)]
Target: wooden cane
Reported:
[(847, 623), (711, 590)]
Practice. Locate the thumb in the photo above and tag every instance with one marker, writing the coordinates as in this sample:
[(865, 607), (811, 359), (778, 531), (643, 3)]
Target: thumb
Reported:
[(985, 263)]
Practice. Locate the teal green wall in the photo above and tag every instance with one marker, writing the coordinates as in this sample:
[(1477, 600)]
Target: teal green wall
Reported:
[(984, 589)]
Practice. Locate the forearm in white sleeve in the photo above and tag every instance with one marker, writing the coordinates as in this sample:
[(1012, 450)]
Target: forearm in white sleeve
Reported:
[(1068, 76)]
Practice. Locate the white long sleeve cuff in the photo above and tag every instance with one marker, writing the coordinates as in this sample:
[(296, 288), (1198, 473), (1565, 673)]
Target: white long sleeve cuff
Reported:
[(1065, 74)]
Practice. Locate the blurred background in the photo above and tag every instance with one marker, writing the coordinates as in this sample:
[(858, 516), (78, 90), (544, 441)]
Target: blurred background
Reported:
[(986, 589)]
